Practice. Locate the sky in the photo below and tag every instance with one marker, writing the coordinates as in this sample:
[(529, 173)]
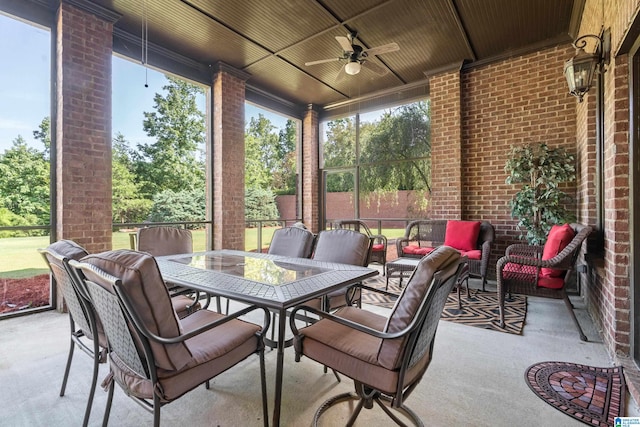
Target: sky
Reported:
[(25, 71)]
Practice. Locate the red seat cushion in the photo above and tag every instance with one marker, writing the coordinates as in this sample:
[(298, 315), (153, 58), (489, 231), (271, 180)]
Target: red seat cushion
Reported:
[(462, 235), (551, 282), (474, 254), (559, 237), (378, 247), (416, 250)]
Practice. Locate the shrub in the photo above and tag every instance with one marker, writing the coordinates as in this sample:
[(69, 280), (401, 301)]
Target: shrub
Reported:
[(171, 206)]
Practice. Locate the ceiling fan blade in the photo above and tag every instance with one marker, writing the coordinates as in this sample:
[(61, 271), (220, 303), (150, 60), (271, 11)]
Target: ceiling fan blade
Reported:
[(322, 61), (344, 43), (391, 47), (378, 69), (341, 74)]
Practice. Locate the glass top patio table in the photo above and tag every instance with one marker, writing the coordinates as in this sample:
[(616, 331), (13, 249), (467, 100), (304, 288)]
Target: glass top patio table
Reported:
[(271, 281)]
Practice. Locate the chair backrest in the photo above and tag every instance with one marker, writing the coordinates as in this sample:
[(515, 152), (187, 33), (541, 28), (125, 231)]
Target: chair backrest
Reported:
[(487, 233), (55, 255), (430, 230), (425, 295), (355, 225), (343, 246), (569, 255), (143, 286), (292, 241), (159, 241)]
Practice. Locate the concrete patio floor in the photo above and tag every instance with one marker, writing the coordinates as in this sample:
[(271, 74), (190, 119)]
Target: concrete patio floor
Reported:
[(476, 378)]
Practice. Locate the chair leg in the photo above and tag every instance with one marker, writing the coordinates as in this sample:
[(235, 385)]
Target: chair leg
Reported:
[(94, 381), (567, 302), (107, 410), (68, 367), (263, 381), (156, 410)]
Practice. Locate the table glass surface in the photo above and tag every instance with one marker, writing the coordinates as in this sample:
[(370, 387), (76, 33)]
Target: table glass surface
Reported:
[(263, 270)]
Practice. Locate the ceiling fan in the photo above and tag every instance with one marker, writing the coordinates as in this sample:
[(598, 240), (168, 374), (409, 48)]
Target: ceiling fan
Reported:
[(356, 56)]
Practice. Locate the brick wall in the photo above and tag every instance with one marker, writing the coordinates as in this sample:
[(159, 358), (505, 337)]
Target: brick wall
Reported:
[(446, 148), (513, 102), (228, 158), (83, 129), (310, 170)]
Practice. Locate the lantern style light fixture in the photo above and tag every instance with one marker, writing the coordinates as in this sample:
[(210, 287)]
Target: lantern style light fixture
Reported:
[(580, 69)]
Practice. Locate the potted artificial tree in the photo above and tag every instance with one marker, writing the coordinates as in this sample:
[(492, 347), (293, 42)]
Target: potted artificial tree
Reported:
[(540, 203)]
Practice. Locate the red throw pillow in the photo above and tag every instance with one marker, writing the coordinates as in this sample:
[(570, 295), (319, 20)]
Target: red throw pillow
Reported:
[(462, 235), (559, 237)]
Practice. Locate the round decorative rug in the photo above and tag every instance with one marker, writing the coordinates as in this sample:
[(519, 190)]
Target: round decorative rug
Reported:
[(592, 395)]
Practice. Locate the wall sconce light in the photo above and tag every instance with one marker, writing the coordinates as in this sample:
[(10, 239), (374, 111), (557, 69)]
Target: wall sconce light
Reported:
[(580, 69)]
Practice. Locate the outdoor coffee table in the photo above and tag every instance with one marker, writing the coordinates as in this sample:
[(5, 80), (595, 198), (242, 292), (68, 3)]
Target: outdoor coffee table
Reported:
[(404, 266), (400, 268)]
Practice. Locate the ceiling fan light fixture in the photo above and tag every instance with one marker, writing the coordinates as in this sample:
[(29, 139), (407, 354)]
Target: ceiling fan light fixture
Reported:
[(352, 68)]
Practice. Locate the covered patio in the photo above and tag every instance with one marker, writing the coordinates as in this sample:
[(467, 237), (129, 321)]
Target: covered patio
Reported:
[(493, 74), (476, 378)]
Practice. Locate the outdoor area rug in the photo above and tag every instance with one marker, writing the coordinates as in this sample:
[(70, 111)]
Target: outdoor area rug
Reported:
[(481, 310), (594, 396)]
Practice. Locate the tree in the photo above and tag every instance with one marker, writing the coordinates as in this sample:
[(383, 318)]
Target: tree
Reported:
[(179, 206), (397, 150), (24, 182), (128, 204), (171, 163), (284, 177), (43, 134), (260, 204), (540, 203)]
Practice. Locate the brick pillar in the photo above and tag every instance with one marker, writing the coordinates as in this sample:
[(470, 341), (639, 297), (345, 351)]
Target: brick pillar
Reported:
[(83, 127), (310, 170), (228, 157), (446, 146)]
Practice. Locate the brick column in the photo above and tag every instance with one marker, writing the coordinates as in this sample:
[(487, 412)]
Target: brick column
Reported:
[(228, 157), (310, 170), (82, 124), (446, 146)]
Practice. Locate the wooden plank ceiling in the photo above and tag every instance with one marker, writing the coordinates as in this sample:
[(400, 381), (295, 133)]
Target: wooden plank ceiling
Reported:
[(272, 39)]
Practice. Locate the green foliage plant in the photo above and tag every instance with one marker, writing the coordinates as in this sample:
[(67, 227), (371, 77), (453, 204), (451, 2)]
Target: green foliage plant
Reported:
[(540, 203), (260, 204), (179, 206)]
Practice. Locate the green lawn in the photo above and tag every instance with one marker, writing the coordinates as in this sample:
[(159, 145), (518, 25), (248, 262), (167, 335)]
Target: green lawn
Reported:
[(19, 257)]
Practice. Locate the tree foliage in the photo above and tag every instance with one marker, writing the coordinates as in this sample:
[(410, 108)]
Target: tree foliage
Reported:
[(128, 204), (540, 203), (260, 204), (179, 206), (178, 126), (24, 186)]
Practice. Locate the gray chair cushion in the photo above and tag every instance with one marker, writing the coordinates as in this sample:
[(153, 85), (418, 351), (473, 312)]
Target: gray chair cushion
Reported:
[(292, 241), (343, 246), (443, 258), (69, 249), (149, 296), (159, 241)]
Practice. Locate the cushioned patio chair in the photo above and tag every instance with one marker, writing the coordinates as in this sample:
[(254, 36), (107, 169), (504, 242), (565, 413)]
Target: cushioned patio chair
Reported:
[(385, 357), (155, 357), (165, 240), (378, 241), (542, 271), (86, 329), (292, 241), (345, 247)]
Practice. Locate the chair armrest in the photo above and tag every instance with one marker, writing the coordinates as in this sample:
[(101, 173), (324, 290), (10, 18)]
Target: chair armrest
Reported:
[(380, 291), (357, 326), (401, 243), (183, 337), (381, 238), (531, 251)]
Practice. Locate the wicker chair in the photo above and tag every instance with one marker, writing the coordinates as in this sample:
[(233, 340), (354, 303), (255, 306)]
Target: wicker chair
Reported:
[(378, 241), (520, 271), (155, 357), (385, 357), (86, 329), (422, 236)]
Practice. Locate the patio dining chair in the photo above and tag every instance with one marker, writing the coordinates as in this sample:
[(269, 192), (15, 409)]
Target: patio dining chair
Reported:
[(86, 329), (542, 271), (378, 241), (156, 357), (385, 357), (166, 240), (292, 241), (345, 247)]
